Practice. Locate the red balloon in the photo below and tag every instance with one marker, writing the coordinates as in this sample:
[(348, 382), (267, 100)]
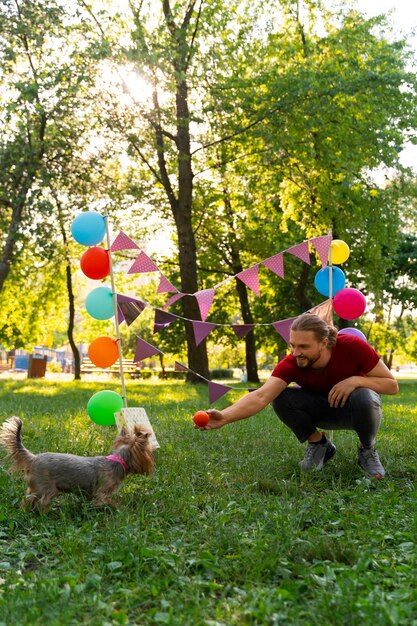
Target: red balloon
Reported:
[(349, 303), (95, 263)]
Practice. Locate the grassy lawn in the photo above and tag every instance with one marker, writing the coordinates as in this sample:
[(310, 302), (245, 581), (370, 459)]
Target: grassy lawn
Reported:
[(227, 531)]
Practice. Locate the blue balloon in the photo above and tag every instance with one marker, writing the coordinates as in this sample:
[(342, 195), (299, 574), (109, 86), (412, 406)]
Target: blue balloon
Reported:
[(88, 228), (355, 332), (321, 281), (99, 303)]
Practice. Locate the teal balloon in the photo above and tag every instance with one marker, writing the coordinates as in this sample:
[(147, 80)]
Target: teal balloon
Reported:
[(103, 405), (89, 228), (321, 281), (99, 303)]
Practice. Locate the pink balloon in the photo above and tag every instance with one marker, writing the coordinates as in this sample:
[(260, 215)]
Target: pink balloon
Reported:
[(349, 303)]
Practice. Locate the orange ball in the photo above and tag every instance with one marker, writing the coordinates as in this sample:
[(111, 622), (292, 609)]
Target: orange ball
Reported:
[(201, 418), (103, 351)]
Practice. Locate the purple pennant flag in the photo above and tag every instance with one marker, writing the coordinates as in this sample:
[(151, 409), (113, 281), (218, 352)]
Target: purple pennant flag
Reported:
[(122, 242), (324, 311), (275, 264), (162, 320), (241, 330), (216, 391), (128, 308), (201, 330), (283, 328), (250, 278), (179, 367), (144, 350), (143, 264), (165, 286), (205, 300), (322, 245), (173, 299), (301, 251)]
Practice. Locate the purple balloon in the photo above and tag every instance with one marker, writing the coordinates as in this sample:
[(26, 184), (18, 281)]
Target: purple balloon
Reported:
[(352, 331)]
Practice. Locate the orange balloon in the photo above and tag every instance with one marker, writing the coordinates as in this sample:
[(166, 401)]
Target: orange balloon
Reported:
[(103, 351)]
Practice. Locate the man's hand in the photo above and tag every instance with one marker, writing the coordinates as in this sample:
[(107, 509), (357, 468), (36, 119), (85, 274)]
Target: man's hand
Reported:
[(339, 394)]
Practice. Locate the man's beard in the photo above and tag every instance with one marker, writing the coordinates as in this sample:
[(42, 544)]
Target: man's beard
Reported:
[(305, 362)]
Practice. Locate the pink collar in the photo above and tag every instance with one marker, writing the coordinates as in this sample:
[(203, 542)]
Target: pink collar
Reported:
[(118, 459)]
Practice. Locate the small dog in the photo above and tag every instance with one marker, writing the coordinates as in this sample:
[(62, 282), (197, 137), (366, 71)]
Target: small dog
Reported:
[(50, 473)]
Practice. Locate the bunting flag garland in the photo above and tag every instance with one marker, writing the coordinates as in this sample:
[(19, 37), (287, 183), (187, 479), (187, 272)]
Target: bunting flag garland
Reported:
[(128, 309), (123, 242), (162, 320), (275, 264), (250, 278), (144, 350), (283, 328), (201, 330), (142, 265), (205, 300), (216, 391), (301, 251), (165, 286), (241, 330), (322, 246)]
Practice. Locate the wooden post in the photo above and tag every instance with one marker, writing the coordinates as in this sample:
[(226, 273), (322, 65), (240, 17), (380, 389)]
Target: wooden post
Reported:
[(116, 319)]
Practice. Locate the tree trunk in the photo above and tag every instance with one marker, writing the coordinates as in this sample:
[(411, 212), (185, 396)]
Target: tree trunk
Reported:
[(300, 290), (71, 301), (251, 363)]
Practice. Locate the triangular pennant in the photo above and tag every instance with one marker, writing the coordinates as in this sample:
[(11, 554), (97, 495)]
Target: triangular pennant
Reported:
[(128, 308), (162, 320), (324, 311), (173, 299), (275, 264), (143, 264), (216, 391), (301, 251), (179, 367), (165, 286), (201, 330), (250, 278), (144, 350), (283, 328), (122, 242), (205, 300), (322, 245), (241, 330)]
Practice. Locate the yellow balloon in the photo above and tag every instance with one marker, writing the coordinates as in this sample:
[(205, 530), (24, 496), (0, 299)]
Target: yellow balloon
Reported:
[(339, 252)]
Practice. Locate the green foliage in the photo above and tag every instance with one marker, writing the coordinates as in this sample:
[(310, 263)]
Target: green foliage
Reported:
[(227, 530)]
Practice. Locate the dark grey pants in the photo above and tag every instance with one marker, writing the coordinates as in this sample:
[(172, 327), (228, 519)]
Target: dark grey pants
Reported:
[(304, 411)]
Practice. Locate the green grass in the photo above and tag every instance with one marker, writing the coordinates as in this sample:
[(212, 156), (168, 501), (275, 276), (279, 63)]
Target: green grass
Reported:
[(227, 531)]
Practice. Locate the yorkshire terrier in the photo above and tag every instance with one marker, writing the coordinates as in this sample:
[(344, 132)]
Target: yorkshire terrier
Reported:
[(49, 473)]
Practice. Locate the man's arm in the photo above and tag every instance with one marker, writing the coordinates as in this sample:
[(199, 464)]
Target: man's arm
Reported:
[(247, 405), (379, 379)]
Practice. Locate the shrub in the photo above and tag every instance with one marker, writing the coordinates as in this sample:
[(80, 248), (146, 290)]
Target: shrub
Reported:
[(221, 373)]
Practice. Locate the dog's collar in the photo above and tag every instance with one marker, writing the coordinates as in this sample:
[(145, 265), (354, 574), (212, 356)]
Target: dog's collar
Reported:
[(118, 459)]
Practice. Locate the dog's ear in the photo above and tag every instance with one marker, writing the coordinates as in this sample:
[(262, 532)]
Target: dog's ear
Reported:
[(123, 432)]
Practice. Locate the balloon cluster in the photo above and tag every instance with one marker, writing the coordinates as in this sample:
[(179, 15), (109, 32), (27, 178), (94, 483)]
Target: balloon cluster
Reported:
[(89, 229), (348, 303)]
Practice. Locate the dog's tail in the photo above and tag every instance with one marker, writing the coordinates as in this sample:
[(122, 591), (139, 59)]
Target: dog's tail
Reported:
[(11, 441)]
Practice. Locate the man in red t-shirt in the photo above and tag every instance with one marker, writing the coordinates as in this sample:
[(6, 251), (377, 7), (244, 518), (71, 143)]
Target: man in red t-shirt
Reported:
[(339, 379)]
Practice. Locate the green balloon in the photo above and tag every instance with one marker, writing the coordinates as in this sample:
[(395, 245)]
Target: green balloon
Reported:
[(103, 405)]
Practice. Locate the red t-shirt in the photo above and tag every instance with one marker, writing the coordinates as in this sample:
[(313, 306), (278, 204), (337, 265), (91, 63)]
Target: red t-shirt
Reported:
[(351, 356)]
